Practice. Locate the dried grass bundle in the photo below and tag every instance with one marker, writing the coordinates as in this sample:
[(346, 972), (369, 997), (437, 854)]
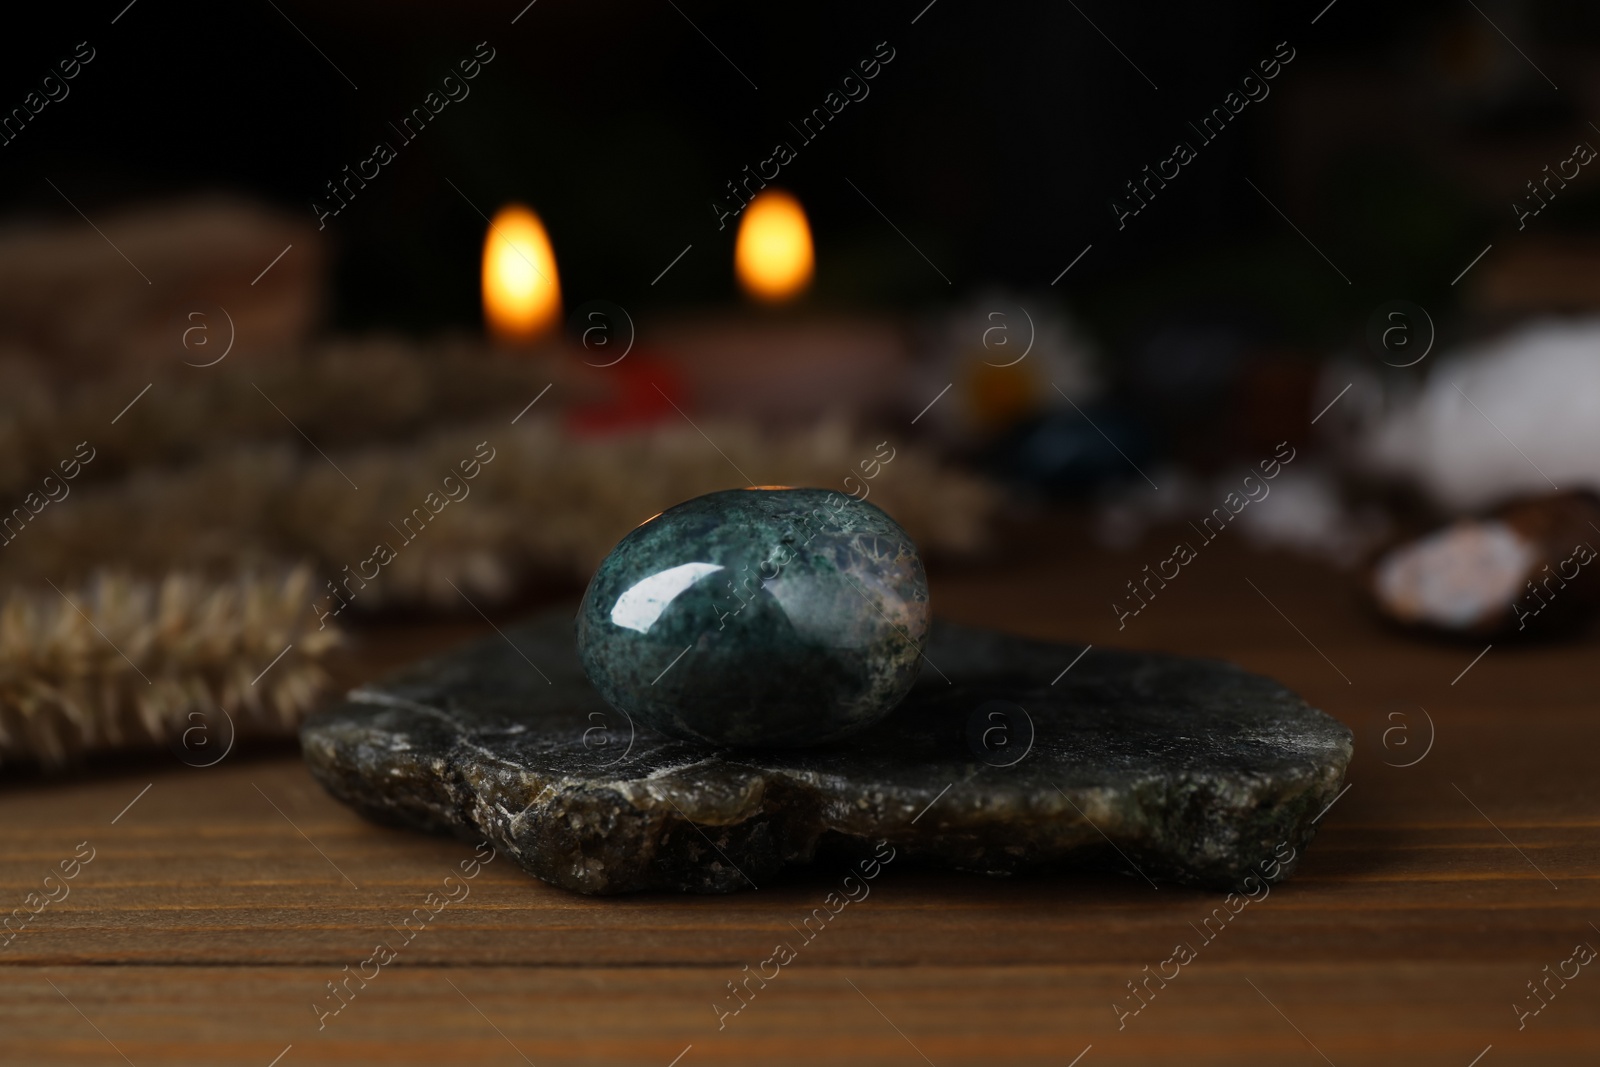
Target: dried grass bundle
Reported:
[(546, 508), (125, 662), (342, 393)]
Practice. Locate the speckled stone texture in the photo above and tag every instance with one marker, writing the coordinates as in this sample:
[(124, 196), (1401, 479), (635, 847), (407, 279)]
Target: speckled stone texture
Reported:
[(762, 617), (1166, 768)]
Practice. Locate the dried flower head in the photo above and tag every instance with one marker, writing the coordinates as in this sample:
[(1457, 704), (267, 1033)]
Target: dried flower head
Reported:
[(122, 662)]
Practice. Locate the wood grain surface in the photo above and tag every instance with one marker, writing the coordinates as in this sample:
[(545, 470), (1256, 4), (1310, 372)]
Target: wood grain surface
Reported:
[(218, 907)]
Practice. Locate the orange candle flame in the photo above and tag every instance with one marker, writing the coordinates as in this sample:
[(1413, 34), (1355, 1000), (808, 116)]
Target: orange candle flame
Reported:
[(773, 256), (521, 290)]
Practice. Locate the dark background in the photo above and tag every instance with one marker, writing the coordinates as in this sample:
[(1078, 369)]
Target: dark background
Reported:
[(995, 140)]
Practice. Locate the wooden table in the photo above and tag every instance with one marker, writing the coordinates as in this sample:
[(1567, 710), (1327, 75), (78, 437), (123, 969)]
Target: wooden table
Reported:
[(220, 904)]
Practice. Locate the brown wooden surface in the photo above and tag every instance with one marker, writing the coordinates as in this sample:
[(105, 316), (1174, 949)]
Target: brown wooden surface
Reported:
[(207, 924)]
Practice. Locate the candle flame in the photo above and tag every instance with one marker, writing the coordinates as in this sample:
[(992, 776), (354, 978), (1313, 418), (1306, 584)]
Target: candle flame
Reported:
[(521, 290), (773, 256)]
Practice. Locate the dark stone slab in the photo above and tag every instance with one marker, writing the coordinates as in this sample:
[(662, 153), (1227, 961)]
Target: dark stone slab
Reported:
[(1165, 767)]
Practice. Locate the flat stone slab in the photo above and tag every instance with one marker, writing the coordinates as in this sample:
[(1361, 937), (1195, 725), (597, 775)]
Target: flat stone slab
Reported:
[(1165, 767)]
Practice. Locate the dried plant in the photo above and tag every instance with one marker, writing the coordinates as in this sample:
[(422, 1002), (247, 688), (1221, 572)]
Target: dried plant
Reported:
[(547, 507), (124, 662), (341, 392)]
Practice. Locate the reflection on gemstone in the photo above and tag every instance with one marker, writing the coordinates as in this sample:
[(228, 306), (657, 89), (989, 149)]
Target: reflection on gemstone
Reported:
[(640, 607)]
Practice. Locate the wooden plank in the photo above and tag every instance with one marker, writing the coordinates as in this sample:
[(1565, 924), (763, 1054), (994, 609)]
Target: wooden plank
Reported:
[(1219, 1011), (219, 904)]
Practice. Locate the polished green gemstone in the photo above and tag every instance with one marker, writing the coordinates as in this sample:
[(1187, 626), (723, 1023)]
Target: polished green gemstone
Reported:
[(762, 617)]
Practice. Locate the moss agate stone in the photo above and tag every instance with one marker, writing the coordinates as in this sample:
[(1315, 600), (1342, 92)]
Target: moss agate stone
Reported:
[(1163, 767), (762, 617)]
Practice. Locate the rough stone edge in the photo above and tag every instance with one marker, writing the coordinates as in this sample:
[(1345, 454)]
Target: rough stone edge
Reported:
[(782, 820)]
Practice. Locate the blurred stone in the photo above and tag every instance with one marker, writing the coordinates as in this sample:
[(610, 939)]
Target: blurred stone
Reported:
[(1169, 768), (1520, 571), (1510, 416)]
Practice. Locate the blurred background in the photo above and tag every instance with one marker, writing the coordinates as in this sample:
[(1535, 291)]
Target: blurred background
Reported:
[(271, 273)]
